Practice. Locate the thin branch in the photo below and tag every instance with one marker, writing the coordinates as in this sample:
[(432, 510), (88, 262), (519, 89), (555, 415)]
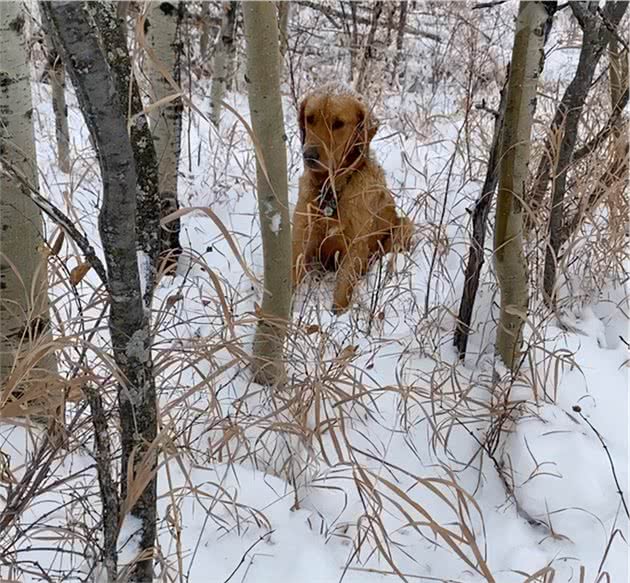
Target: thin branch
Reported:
[(331, 14), (488, 4), (578, 410), (603, 134), (65, 223)]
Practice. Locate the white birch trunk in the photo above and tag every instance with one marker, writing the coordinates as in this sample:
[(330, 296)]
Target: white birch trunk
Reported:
[(265, 104), (510, 262), (164, 23), (223, 61), (24, 316)]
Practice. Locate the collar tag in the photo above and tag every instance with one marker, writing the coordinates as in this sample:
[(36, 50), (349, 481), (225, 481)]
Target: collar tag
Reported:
[(327, 201)]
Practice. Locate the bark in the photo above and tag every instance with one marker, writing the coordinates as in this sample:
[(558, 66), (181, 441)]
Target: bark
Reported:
[(354, 39), (106, 481), (368, 47), (284, 11), (479, 220), (148, 231), (224, 58), (57, 76), (129, 326), (164, 37), (24, 309), (526, 65), (567, 118), (400, 38), (618, 79), (263, 74), (204, 37)]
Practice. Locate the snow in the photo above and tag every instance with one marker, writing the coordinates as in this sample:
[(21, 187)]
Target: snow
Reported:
[(407, 462), (129, 540), (276, 221)]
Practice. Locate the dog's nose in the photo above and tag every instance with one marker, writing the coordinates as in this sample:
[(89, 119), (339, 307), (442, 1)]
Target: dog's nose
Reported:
[(310, 155)]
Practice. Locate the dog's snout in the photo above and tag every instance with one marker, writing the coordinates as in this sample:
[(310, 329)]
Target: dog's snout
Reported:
[(311, 155)]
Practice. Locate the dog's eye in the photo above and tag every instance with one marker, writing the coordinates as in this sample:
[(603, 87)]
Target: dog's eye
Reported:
[(310, 119), (337, 124)]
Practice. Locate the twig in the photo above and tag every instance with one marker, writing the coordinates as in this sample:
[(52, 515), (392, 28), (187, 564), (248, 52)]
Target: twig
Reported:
[(331, 14), (612, 28), (488, 4), (260, 539), (578, 410), (65, 223)]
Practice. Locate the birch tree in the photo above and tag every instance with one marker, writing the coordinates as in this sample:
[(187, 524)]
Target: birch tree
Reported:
[(284, 14), (265, 104), (163, 37), (511, 267), (223, 60), (129, 324), (24, 310)]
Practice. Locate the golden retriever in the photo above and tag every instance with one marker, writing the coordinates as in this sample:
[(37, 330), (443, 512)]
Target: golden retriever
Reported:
[(345, 217)]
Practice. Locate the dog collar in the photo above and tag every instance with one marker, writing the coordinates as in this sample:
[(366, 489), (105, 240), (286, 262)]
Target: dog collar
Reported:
[(327, 200)]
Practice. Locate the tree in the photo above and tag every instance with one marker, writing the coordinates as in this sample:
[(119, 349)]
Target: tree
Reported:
[(368, 47), (112, 31), (400, 38), (57, 78), (284, 14), (223, 61), (265, 104), (24, 309), (129, 324), (480, 214), (164, 39), (532, 25), (596, 36)]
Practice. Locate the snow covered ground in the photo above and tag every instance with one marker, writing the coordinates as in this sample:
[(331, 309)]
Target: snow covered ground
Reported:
[(405, 462)]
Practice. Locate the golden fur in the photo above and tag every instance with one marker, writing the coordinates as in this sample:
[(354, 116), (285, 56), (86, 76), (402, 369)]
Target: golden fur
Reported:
[(345, 217)]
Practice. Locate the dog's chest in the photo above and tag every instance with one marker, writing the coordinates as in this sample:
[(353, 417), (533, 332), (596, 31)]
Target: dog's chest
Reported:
[(327, 202)]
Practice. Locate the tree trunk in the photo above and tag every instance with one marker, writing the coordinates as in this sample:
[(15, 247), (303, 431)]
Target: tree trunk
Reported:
[(368, 48), (511, 267), (595, 38), (164, 37), (24, 313), (129, 325), (265, 104), (57, 77), (400, 38), (284, 11), (148, 231), (479, 221), (223, 61), (204, 37)]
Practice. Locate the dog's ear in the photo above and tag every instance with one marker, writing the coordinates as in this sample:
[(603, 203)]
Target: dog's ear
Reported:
[(302, 120)]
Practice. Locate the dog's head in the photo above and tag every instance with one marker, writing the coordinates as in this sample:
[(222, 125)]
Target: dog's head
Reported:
[(336, 130)]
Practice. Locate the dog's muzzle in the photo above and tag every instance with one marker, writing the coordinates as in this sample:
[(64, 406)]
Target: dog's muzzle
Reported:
[(311, 156)]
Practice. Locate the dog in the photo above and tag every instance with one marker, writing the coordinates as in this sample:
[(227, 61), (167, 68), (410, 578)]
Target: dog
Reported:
[(345, 217)]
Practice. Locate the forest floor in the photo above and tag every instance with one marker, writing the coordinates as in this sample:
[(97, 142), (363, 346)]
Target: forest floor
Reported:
[(408, 462)]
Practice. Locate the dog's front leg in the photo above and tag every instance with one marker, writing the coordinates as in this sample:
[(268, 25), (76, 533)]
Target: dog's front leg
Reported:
[(353, 266)]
